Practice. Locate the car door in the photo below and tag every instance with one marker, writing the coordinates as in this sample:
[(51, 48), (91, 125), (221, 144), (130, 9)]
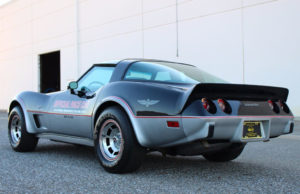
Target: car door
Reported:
[(72, 110)]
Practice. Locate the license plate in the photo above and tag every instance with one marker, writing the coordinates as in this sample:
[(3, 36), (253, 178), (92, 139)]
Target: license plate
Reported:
[(252, 130)]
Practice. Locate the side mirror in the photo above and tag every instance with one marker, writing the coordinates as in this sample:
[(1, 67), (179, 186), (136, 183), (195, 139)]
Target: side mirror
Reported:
[(72, 86)]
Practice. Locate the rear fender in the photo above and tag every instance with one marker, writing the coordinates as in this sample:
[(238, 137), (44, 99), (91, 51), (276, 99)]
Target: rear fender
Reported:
[(118, 100), (149, 99)]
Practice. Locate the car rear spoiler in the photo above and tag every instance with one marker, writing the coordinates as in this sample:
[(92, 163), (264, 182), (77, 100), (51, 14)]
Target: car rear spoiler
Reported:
[(238, 92)]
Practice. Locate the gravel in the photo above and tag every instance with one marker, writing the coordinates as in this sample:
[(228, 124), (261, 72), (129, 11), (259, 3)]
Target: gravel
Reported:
[(272, 167)]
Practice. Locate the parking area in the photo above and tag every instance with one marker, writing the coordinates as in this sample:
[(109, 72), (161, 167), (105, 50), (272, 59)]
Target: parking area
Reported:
[(272, 167)]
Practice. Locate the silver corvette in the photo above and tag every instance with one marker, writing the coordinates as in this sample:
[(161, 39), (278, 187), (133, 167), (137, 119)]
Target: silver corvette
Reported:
[(127, 108)]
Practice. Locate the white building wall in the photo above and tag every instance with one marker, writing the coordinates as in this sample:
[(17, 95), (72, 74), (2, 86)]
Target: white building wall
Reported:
[(251, 41)]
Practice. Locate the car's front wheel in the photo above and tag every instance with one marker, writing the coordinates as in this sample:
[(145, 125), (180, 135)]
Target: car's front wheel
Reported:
[(227, 154), (20, 140), (116, 146)]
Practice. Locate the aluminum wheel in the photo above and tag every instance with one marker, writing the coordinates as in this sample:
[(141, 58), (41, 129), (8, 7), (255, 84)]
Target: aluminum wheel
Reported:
[(111, 140), (15, 129)]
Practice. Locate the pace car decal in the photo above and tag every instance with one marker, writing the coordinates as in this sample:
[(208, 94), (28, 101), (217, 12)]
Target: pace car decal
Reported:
[(71, 104), (148, 102), (66, 106)]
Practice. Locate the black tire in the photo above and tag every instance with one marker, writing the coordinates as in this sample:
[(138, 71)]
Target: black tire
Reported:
[(227, 154), (114, 129), (20, 140)]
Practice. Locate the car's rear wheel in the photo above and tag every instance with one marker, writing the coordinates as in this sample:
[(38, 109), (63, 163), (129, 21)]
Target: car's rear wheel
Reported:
[(116, 146), (20, 140), (227, 154)]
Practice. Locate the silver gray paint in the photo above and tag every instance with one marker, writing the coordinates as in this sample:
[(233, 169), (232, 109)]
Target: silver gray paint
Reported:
[(150, 132)]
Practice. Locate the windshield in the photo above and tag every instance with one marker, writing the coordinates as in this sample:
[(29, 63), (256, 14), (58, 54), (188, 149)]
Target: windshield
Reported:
[(169, 72)]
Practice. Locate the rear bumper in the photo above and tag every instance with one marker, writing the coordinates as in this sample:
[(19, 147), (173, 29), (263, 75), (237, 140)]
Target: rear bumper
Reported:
[(153, 131)]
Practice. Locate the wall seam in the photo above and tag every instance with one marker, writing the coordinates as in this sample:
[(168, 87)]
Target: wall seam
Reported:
[(243, 41), (143, 34), (77, 41)]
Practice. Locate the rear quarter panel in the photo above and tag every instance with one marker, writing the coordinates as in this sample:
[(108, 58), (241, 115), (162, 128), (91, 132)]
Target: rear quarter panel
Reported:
[(168, 100)]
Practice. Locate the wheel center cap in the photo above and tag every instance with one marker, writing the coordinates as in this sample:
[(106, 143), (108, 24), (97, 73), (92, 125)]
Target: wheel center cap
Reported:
[(115, 139)]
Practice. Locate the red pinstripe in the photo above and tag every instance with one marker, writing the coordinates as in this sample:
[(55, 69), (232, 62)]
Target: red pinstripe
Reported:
[(51, 113), (171, 117)]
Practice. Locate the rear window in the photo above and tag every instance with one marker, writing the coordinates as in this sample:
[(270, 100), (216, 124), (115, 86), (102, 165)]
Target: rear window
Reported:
[(169, 72)]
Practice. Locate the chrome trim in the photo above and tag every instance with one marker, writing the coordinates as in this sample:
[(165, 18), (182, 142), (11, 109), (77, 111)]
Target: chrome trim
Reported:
[(67, 139)]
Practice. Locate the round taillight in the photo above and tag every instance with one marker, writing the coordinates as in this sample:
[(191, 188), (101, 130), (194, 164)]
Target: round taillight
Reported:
[(273, 106), (209, 105), (224, 106), (284, 106)]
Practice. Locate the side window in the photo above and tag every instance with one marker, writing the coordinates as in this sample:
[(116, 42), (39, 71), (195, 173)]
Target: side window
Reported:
[(163, 76), (137, 75), (95, 78), (147, 71)]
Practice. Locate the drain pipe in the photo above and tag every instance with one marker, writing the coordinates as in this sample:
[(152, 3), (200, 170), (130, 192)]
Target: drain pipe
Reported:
[(177, 36), (77, 43)]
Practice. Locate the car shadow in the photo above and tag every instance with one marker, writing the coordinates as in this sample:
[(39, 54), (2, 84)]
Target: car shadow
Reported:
[(78, 151), (156, 164)]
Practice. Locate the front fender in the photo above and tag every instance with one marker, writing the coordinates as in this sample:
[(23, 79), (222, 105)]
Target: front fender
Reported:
[(30, 101)]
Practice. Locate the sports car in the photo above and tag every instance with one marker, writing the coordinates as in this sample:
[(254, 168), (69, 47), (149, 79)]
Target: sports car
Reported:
[(125, 109)]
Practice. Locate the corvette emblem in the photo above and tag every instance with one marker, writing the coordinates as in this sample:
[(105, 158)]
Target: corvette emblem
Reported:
[(251, 104), (148, 102)]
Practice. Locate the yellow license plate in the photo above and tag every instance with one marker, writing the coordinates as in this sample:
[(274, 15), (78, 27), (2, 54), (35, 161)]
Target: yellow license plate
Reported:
[(252, 130)]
